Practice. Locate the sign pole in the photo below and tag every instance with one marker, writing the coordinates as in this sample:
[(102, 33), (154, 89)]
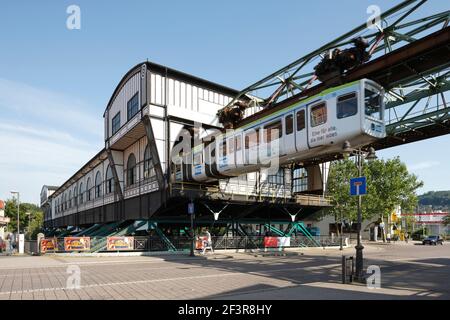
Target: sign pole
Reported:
[(359, 247), (191, 213)]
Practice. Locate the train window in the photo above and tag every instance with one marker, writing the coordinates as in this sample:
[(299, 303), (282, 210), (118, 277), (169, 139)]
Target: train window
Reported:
[(252, 139), (347, 106), (238, 140), (223, 148), (289, 121), (271, 130), (197, 159), (372, 102), (231, 146), (318, 114), (300, 120)]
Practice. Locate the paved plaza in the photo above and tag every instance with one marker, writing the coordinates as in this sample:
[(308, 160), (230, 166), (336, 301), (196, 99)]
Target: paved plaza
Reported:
[(408, 271)]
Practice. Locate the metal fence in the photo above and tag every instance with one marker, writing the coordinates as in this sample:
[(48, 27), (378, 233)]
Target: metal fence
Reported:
[(148, 244), (31, 247)]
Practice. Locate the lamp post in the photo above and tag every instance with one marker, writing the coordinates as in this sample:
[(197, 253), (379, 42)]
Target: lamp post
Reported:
[(18, 204), (360, 155), (29, 220)]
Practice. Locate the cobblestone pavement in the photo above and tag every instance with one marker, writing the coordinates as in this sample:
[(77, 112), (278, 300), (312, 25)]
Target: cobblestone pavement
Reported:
[(408, 271)]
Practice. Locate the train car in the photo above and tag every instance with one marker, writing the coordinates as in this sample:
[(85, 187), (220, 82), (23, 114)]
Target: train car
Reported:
[(311, 128)]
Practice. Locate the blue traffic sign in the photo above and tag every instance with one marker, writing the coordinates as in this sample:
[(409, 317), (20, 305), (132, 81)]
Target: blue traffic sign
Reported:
[(190, 208), (358, 186)]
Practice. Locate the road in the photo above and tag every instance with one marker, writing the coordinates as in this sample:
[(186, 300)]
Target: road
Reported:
[(408, 271)]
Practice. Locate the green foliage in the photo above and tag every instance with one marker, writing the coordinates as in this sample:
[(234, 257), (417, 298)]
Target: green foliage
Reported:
[(447, 220), (389, 184), (435, 199), (31, 224)]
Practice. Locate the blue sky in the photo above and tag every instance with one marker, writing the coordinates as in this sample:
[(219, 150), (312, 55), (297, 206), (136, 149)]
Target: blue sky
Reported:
[(55, 82)]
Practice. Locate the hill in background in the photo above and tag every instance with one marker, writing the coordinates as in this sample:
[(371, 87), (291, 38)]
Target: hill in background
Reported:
[(439, 200)]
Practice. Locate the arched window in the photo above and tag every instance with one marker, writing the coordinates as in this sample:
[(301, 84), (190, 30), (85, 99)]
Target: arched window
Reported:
[(131, 170), (98, 185), (70, 199), (109, 180), (64, 202), (148, 164), (81, 193), (75, 196), (88, 190)]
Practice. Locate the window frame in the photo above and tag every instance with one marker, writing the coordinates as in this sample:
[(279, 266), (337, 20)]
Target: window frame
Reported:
[(302, 113), (238, 142), (148, 163), (324, 116), (98, 185), (291, 126), (355, 97), (130, 106), (268, 131), (115, 127), (133, 171)]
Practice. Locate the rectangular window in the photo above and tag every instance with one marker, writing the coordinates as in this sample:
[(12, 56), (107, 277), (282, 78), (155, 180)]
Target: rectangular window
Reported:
[(318, 114), (347, 105), (300, 180), (116, 123), (372, 101), (300, 120), (273, 131), (276, 179), (289, 120), (132, 107), (238, 140), (197, 159), (230, 146), (252, 139), (223, 148)]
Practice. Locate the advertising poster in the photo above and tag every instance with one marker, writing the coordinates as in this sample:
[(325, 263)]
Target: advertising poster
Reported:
[(271, 242), (119, 243), (200, 242), (77, 243), (48, 244), (284, 241)]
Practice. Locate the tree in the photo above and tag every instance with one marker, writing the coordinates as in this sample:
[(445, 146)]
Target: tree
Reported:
[(32, 224), (389, 184), (447, 220)]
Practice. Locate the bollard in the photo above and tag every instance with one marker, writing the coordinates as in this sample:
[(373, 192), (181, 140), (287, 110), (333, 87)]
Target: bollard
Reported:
[(348, 269), (344, 270)]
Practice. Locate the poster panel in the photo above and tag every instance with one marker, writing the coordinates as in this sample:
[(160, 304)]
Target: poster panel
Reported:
[(77, 243), (119, 243), (48, 244)]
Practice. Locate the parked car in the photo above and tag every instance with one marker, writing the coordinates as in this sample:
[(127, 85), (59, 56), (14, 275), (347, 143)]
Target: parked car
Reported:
[(433, 240)]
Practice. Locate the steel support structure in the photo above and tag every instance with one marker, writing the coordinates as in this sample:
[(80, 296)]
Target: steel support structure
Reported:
[(398, 26), (417, 101)]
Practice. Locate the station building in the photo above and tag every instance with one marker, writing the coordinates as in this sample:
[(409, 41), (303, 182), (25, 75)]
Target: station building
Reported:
[(131, 178)]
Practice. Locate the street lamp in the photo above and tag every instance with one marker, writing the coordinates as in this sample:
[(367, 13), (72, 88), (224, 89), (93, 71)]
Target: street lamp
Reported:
[(18, 204), (360, 155), (29, 220)]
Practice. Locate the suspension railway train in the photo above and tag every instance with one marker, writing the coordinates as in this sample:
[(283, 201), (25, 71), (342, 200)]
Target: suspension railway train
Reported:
[(314, 127)]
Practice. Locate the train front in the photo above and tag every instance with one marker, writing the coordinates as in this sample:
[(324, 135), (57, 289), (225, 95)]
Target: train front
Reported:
[(373, 117)]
